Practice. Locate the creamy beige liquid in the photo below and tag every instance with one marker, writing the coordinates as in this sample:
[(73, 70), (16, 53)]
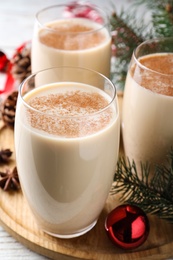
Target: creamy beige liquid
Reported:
[(147, 121), (66, 166), (73, 42)]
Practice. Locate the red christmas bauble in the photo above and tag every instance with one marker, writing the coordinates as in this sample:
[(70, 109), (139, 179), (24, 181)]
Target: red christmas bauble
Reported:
[(127, 226)]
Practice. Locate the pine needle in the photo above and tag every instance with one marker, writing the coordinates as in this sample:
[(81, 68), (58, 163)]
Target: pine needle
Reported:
[(154, 196)]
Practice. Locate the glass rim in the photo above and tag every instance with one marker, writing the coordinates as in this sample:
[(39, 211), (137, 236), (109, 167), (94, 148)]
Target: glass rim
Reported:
[(95, 7), (110, 102), (156, 40)]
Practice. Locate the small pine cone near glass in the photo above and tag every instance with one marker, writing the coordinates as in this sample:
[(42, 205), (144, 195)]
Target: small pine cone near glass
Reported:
[(9, 109), (21, 63)]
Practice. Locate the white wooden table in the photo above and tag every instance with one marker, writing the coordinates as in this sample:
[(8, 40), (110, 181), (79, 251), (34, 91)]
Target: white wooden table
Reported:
[(16, 26)]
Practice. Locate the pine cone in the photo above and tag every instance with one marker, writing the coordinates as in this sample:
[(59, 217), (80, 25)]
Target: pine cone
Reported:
[(21, 63), (9, 109)]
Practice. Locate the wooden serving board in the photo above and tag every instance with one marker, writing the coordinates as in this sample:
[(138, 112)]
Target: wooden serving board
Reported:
[(16, 218)]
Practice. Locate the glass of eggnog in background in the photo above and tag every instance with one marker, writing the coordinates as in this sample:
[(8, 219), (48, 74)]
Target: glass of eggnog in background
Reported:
[(147, 116), (67, 143), (61, 39)]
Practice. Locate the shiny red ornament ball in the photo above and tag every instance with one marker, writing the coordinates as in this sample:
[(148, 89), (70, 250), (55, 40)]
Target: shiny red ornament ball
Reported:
[(127, 226)]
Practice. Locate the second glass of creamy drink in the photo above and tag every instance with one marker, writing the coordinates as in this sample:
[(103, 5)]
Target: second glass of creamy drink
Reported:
[(147, 118), (63, 40), (67, 144)]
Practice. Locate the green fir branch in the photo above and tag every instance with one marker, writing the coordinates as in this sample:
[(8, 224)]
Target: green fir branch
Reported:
[(128, 34), (162, 16), (151, 4), (154, 194), (162, 23), (131, 31)]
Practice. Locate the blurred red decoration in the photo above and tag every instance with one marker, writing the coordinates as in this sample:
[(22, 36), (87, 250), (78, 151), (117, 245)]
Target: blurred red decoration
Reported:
[(83, 10), (5, 69), (127, 226), (4, 61)]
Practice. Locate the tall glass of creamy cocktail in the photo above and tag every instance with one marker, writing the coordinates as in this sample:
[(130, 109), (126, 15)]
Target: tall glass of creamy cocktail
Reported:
[(147, 118), (67, 142), (63, 40)]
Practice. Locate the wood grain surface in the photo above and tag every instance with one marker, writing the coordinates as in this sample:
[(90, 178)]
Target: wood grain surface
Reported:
[(16, 218)]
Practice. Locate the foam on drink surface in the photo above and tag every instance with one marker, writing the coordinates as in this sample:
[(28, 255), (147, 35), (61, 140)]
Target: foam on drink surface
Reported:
[(67, 110), (73, 34), (158, 77)]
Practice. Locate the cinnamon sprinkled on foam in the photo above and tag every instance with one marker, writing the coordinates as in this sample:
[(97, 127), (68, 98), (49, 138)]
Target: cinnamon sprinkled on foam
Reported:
[(66, 36), (72, 103), (161, 82)]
